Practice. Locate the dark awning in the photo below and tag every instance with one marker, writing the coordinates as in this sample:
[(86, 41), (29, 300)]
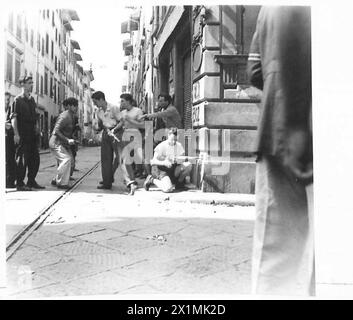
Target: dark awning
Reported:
[(129, 25), (128, 50), (68, 26), (70, 14), (75, 44), (126, 43), (77, 57)]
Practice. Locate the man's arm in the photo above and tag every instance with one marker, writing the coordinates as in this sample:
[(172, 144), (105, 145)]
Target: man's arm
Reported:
[(157, 155), (14, 123), (160, 114), (254, 67), (137, 121)]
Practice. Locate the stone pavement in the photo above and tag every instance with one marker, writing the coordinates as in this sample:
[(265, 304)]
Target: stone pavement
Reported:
[(106, 242), (23, 207)]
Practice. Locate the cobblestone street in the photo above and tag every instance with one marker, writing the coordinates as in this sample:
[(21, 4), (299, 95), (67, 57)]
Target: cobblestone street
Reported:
[(100, 243)]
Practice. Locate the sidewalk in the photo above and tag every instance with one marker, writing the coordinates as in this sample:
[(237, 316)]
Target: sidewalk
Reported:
[(23, 207)]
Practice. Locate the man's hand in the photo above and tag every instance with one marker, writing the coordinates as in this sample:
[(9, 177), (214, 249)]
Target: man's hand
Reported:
[(167, 163), (71, 142), (144, 117), (16, 139), (8, 125), (296, 157)]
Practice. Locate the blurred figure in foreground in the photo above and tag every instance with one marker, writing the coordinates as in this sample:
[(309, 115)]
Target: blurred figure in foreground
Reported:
[(279, 64)]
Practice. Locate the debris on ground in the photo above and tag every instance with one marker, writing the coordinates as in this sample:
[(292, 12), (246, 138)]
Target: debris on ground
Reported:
[(158, 237)]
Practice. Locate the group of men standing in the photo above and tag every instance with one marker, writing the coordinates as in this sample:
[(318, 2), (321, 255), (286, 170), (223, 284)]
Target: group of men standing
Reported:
[(122, 143), (22, 140)]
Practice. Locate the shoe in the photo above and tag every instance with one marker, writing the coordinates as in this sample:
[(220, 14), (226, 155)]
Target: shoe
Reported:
[(53, 182), (23, 188), (103, 187), (133, 188), (101, 182), (148, 182), (35, 185), (72, 179), (10, 186), (64, 186), (181, 186)]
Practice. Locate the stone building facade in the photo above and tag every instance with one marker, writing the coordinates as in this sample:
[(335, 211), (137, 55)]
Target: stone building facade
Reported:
[(39, 43), (198, 55)]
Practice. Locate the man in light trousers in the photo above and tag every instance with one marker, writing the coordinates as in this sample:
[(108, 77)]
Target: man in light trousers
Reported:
[(279, 64)]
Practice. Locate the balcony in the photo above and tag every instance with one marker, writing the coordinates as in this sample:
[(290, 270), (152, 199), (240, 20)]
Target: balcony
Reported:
[(75, 44), (234, 79)]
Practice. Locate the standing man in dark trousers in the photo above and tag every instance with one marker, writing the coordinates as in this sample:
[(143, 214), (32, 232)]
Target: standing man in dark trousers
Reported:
[(108, 118), (24, 117), (10, 145), (74, 147), (280, 65)]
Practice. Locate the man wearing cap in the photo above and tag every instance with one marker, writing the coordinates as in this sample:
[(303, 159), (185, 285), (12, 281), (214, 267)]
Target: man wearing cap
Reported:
[(24, 118), (108, 118)]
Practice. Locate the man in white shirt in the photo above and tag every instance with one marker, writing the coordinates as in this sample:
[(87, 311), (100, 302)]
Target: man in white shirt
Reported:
[(108, 120), (132, 121), (168, 164)]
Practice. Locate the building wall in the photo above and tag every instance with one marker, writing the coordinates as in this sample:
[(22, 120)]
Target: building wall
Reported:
[(201, 52), (42, 44)]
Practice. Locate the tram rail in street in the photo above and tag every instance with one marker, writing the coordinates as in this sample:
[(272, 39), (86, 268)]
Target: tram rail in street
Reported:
[(26, 232)]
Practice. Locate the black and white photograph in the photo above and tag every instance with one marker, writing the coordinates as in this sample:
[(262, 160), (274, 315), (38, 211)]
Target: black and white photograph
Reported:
[(169, 151)]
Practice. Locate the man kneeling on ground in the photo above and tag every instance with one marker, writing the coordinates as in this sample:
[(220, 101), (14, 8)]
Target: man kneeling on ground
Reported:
[(169, 168)]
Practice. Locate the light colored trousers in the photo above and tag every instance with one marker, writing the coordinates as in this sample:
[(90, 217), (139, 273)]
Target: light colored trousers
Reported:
[(65, 160), (283, 249)]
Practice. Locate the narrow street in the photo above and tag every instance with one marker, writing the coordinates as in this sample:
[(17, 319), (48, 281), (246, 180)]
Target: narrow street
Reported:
[(98, 242)]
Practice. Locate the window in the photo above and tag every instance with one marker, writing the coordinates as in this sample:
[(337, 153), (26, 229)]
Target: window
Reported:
[(37, 82), (54, 91), (52, 50), (58, 92), (56, 64), (38, 41), (52, 19), (56, 35), (43, 47), (17, 66), (59, 40), (47, 44), (48, 14), (46, 82), (32, 38), (26, 31), (41, 85), (10, 26), (43, 14), (9, 64), (59, 66), (51, 85), (19, 26)]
